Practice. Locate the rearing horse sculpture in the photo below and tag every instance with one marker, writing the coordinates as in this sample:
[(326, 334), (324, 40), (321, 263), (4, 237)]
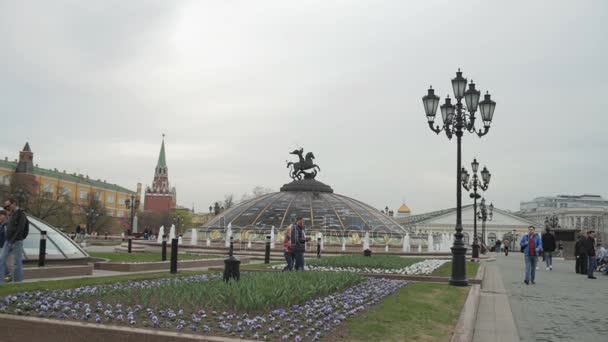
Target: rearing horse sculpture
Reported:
[(298, 169)]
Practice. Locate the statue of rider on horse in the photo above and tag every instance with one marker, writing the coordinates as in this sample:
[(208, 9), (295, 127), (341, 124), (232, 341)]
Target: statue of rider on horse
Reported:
[(298, 169)]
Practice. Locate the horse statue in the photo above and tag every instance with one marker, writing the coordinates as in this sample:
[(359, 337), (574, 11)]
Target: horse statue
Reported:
[(298, 169)]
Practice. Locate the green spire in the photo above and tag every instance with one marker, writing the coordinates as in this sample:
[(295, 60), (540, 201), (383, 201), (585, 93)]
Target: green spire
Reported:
[(162, 160)]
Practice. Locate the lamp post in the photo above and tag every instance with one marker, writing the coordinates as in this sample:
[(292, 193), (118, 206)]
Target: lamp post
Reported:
[(133, 205), (485, 214), (455, 122), (474, 183)]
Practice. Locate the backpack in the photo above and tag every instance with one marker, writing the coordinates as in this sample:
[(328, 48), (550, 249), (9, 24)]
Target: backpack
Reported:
[(294, 238)]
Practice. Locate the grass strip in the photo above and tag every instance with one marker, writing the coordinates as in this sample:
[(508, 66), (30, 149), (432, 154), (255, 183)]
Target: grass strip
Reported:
[(418, 312), (445, 270), (146, 257)]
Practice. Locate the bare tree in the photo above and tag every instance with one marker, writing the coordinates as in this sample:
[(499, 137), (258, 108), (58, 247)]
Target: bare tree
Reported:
[(94, 213), (51, 204), (256, 192), (228, 201)]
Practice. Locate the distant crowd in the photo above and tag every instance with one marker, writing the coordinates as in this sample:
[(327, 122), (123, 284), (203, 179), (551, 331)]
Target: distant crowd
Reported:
[(590, 256)]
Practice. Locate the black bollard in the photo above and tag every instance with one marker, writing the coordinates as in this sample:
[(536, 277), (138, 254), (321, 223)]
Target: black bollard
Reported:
[(231, 250), (129, 245), (232, 265), (106, 236), (267, 256), (164, 248), (174, 256), (42, 250), (319, 247)]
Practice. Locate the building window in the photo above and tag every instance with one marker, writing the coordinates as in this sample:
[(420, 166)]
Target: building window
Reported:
[(120, 213), (121, 201), (98, 196), (67, 191), (6, 180), (48, 188), (83, 194), (110, 198)]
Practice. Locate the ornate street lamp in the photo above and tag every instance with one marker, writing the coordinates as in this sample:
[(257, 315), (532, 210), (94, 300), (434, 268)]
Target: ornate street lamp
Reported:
[(456, 121), (133, 205), (485, 214), (474, 184)]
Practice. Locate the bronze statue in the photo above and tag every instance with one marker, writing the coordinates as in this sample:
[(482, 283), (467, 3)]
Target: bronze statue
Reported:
[(298, 169)]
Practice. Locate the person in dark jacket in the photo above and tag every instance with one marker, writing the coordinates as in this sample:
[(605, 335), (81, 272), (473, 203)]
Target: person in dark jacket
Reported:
[(298, 242), (589, 248), (581, 257), (3, 222), (16, 231), (548, 248)]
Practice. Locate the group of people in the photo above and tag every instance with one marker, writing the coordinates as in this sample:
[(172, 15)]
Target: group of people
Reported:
[(587, 257), (533, 246), (294, 245), (14, 228)]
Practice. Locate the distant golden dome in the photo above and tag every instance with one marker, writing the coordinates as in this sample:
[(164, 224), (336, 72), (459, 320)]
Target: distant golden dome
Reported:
[(404, 209)]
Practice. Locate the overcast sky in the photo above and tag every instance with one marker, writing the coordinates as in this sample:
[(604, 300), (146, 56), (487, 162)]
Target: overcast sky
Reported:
[(236, 85)]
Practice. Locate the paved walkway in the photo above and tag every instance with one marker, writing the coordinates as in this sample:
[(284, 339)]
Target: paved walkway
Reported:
[(562, 306), (494, 319)]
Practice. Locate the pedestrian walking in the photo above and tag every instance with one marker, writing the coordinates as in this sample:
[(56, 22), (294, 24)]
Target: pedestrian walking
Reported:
[(497, 246), (17, 230), (287, 251), (8, 274), (589, 247), (506, 243), (549, 245), (581, 256), (298, 242), (531, 245)]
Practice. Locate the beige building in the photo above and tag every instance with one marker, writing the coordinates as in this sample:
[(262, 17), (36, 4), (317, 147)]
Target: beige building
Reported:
[(75, 186)]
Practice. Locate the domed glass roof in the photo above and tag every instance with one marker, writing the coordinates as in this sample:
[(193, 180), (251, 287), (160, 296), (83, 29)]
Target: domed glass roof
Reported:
[(313, 200), (58, 245)]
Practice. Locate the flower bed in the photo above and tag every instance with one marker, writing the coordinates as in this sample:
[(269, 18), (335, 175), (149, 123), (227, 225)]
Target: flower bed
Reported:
[(360, 261), (425, 267), (270, 306)]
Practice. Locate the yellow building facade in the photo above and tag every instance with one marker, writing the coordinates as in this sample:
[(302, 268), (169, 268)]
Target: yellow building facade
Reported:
[(75, 186)]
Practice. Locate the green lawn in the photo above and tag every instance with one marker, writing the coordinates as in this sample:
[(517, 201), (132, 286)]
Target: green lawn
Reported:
[(446, 269), (360, 261), (146, 257), (418, 312), (73, 283)]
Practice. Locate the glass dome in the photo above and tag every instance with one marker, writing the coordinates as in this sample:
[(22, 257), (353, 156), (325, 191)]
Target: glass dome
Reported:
[(58, 245), (315, 202)]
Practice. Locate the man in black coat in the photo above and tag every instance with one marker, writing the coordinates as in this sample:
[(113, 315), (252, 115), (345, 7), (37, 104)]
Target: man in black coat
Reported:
[(548, 248), (581, 257), (589, 248), (16, 231)]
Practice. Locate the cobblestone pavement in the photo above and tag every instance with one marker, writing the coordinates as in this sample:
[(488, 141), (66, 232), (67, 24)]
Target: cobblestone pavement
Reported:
[(562, 306)]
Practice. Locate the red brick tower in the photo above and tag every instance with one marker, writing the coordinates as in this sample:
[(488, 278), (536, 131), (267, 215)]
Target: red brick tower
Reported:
[(160, 197)]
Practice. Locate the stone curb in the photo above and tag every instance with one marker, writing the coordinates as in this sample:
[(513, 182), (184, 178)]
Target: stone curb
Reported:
[(57, 271), (32, 329), (468, 316)]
